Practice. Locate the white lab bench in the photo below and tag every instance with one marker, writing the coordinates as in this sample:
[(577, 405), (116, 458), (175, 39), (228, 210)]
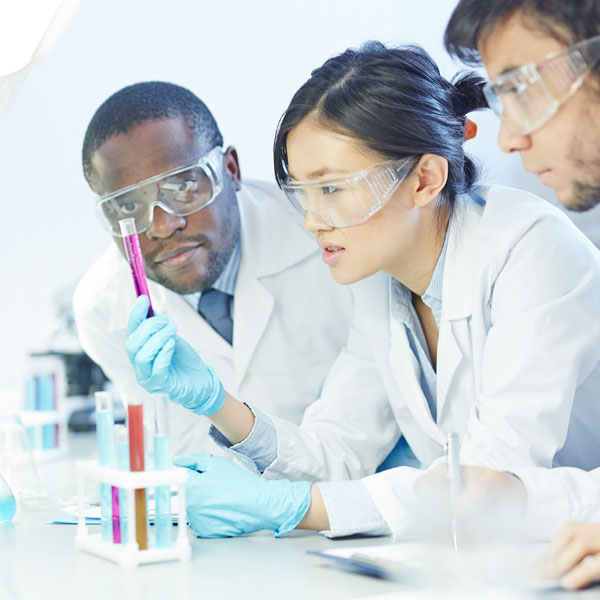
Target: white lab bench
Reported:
[(38, 561)]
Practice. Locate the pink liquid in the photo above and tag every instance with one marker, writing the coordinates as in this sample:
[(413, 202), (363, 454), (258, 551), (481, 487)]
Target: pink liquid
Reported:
[(136, 263)]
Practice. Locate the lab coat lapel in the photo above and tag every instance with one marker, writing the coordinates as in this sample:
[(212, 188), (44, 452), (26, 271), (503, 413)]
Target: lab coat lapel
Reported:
[(272, 241), (390, 343), (457, 297), (405, 368)]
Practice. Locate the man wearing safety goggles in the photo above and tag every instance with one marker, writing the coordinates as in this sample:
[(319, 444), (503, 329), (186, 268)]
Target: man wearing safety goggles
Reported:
[(543, 60), (228, 262)]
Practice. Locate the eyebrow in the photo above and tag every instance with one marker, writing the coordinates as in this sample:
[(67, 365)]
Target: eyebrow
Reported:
[(320, 173), (508, 69)]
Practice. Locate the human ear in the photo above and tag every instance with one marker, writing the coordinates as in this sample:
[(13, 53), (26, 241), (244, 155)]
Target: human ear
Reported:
[(232, 166), (431, 173)]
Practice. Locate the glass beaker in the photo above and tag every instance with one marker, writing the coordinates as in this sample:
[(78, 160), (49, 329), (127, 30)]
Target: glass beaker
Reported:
[(16, 462), (8, 505)]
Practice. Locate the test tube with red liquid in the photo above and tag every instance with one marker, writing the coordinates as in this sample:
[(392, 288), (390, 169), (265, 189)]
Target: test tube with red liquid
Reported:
[(135, 425)]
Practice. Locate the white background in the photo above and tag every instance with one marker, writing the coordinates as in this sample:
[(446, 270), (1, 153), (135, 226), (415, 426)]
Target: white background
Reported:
[(244, 59)]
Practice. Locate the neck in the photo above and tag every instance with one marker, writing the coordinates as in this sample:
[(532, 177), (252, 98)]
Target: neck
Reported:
[(416, 274)]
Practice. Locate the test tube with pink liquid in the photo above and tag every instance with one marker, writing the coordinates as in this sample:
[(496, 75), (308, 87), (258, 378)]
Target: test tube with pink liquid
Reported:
[(135, 259)]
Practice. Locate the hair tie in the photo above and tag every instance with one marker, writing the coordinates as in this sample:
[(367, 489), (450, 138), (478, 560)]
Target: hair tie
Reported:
[(470, 129)]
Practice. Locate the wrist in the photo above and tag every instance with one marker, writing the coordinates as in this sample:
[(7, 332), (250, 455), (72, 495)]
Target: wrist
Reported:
[(298, 503), (215, 401)]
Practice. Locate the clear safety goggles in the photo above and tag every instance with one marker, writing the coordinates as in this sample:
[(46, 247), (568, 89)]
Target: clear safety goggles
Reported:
[(526, 97), (350, 200), (179, 192)]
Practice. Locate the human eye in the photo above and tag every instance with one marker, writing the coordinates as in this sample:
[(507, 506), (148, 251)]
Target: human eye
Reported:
[(128, 208), (329, 190), (513, 87)]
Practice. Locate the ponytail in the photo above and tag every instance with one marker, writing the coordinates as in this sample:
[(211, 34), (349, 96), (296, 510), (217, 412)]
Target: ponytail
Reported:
[(468, 93)]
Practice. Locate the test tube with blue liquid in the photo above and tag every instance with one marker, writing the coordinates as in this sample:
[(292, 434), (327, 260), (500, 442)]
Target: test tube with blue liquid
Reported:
[(106, 455), (163, 522)]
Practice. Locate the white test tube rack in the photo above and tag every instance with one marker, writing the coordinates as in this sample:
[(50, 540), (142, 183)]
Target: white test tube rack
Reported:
[(36, 419), (128, 555)]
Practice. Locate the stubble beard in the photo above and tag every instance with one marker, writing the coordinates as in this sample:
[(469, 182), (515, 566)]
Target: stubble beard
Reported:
[(216, 260)]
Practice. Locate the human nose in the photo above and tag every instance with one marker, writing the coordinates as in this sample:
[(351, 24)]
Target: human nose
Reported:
[(164, 224), (313, 224), (510, 140)]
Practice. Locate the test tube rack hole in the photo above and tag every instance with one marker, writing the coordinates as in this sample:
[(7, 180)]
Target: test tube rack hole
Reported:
[(128, 554)]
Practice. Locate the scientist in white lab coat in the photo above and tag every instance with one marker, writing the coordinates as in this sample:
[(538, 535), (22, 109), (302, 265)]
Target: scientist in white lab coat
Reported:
[(227, 259), (476, 311), (554, 124)]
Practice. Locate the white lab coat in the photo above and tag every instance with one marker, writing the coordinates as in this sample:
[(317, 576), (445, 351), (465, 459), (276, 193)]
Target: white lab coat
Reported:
[(518, 356), (290, 318)]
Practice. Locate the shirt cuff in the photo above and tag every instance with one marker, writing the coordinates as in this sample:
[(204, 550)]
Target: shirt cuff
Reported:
[(260, 446), (350, 510)]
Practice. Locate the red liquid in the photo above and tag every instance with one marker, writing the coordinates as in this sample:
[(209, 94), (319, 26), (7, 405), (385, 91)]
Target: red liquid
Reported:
[(136, 462)]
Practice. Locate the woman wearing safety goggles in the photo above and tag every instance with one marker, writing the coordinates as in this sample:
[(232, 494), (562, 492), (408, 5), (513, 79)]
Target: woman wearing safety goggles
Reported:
[(476, 311)]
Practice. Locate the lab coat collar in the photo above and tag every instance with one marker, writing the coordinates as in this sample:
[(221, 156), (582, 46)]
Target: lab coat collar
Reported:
[(457, 296), (457, 303)]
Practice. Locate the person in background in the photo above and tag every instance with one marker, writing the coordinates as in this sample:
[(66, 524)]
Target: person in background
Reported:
[(227, 259), (543, 61), (460, 323)]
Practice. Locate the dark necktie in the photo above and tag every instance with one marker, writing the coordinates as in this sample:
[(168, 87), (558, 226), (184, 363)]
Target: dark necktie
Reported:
[(213, 306)]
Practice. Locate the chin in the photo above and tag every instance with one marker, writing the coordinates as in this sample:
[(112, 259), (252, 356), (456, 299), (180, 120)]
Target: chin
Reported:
[(579, 197), (345, 278), (188, 283)]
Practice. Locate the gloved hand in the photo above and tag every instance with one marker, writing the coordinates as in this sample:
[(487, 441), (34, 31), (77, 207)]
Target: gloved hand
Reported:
[(224, 500), (164, 362)]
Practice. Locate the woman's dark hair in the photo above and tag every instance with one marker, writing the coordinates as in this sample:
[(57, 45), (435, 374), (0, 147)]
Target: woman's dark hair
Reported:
[(395, 102)]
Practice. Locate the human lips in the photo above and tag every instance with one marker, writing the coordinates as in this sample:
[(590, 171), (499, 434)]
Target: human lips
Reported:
[(542, 174), (178, 256), (331, 252)]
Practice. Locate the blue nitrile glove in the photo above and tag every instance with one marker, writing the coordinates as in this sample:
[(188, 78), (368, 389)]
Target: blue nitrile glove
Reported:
[(163, 362), (224, 500)]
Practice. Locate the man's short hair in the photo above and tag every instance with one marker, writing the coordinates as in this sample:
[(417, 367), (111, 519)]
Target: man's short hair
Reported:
[(568, 21), (142, 102)]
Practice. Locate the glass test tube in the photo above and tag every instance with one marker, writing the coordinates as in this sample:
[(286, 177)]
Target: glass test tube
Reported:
[(163, 521), (122, 438), (106, 457), (135, 258), (135, 422)]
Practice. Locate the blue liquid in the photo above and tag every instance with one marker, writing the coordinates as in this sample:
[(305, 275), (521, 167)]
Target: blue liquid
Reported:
[(106, 512), (8, 506), (106, 454), (162, 495)]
